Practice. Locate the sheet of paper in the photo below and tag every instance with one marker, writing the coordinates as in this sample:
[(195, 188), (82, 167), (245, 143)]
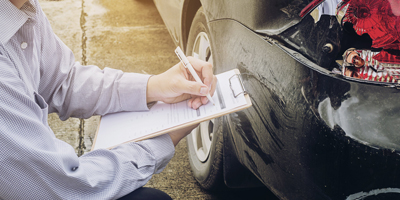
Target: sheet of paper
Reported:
[(121, 127)]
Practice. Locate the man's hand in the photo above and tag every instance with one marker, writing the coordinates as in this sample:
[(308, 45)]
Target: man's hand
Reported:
[(177, 84), (177, 135)]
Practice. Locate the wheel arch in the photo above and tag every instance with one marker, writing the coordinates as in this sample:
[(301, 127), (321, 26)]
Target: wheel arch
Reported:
[(235, 175), (189, 10)]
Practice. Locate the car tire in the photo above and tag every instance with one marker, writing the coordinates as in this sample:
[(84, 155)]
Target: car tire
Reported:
[(205, 156)]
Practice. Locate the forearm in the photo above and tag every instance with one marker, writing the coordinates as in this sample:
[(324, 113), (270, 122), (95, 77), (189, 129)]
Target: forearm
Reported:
[(71, 89), (102, 174), (36, 165), (88, 91)]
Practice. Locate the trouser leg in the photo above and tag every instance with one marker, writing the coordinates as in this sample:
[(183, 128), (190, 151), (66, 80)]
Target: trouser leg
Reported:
[(144, 193)]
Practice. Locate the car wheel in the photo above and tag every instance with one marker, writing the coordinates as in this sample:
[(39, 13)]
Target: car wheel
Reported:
[(205, 143)]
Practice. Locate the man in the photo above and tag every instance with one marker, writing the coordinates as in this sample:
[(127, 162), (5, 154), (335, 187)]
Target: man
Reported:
[(38, 75)]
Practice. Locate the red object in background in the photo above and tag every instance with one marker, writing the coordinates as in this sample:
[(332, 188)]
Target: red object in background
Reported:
[(388, 56), (376, 18), (381, 20), (381, 38), (391, 21), (364, 15), (395, 5)]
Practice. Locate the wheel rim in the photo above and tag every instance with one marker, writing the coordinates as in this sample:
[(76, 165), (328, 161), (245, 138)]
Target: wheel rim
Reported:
[(202, 135)]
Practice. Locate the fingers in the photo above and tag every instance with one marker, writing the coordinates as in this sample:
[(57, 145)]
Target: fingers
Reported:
[(196, 102), (204, 100), (213, 85), (179, 84), (194, 88), (204, 70)]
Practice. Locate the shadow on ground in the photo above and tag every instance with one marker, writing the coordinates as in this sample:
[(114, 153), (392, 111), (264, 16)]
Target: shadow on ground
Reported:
[(243, 194)]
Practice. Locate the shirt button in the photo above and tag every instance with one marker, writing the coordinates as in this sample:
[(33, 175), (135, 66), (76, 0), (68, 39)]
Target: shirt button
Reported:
[(24, 45)]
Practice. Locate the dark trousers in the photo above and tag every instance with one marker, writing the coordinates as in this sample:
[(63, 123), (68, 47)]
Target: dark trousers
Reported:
[(146, 194)]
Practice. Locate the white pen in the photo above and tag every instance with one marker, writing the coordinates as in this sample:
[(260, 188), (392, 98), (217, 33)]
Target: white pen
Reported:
[(187, 65)]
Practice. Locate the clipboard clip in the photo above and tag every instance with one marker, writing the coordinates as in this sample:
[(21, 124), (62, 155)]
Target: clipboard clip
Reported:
[(239, 78)]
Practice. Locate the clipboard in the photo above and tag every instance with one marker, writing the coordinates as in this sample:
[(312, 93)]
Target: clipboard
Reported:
[(110, 140)]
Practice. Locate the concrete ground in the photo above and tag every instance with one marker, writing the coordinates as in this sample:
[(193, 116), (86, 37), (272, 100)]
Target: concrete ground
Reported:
[(131, 36)]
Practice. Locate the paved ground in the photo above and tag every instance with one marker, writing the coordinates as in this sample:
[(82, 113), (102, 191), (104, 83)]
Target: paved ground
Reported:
[(127, 35)]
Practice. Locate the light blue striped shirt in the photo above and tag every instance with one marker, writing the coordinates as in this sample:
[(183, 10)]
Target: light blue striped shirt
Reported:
[(38, 75)]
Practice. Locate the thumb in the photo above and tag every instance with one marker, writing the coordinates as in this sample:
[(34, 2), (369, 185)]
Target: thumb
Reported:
[(195, 88)]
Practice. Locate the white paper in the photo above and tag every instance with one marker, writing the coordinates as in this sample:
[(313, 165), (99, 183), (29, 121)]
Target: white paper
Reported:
[(121, 127)]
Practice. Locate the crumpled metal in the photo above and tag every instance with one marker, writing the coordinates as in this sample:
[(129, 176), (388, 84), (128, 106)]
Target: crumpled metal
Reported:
[(380, 19)]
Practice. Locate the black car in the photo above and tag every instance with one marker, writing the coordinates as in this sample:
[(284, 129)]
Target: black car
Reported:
[(321, 126)]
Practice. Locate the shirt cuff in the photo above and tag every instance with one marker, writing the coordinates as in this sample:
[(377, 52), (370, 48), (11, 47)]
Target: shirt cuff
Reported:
[(163, 150), (132, 91)]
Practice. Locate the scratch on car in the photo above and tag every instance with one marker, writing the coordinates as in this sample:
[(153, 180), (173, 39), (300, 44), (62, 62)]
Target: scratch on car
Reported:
[(252, 164), (246, 131)]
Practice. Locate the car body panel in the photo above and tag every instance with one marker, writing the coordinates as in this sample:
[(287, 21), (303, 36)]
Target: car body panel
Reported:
[(310, 134), (171, 12), (284, 138), (266, 135), (277, 15)]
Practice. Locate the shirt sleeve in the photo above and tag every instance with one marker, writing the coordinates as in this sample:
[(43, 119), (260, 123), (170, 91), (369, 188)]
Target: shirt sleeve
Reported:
[(36, 165), (73, 90)]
